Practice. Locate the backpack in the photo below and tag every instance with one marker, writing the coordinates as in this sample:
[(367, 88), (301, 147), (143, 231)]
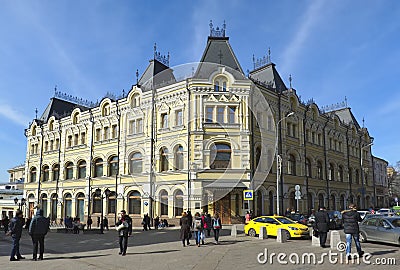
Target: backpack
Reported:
[(197, 224)]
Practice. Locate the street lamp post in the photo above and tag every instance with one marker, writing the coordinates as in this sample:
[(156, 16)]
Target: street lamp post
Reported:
[(362, 175), (21, 204), (98, 194), (278, 160)]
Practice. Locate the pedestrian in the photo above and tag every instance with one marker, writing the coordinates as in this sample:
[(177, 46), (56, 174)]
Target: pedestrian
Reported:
[(144, 222), (89, 223), (6, 221), (105, 223), (322, 225), (185, 229), (15, 230), (156, 222), (190, 217), (209, 226), (197, 228), (287, 212), (124, 228), (351, 229), (217, 226), (247, 217), (98, 221), (38, 230), (148, 221), (203, 233)]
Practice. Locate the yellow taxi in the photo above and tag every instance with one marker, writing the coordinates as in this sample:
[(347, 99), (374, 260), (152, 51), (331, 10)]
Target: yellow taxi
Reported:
[(273, 223)]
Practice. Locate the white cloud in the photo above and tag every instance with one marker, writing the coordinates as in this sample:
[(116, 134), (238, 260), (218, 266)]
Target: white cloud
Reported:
[(14, 115), (310, 19)]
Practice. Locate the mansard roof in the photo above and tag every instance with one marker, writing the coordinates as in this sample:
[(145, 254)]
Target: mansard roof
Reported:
[(346, 116), (59, 108), (269, 77), (156, 74), (218, 51)]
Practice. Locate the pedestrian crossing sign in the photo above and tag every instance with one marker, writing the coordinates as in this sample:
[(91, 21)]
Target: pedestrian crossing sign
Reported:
[(248, 195)]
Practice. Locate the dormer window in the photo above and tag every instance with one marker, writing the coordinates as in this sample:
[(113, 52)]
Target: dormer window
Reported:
[(220, 84), (106, 109), (216, 86)]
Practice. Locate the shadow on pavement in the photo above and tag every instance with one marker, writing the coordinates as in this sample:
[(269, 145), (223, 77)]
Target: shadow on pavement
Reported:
[(75, 257), (152, 252), (382, 252)]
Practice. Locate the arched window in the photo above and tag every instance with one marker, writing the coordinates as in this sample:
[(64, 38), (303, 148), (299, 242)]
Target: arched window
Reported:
[(135, 102), (178, 203), (98, 167), (357, 177), (54, 203), (224, 86), (34, 131), (44, 204), (308, 168), (32, 174), (46, 173), (56, 172), (358, 201), (111, 202), (179, 157), (113, 166), (67, 205), (220, 156), (321, 200), (80, 206), (69, 170), (96, 203), (51, 125), (350, 175), (340, 173), (319, 170), (106, 109), (258, 157), (75, 118), (134, 203), (333, 202), (136, 163), (164, 202), (291, 165), (164, 159), (82, 169), (216, 86), (342, 202), (331, 174)]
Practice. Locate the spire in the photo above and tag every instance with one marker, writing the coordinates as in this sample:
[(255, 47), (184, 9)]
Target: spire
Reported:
[(137, 76), (217, 32), (36, 112), (290, 81)]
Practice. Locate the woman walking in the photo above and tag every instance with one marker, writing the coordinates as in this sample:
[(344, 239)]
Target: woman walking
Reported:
[(198, 227), (185, 229), (217, 225)]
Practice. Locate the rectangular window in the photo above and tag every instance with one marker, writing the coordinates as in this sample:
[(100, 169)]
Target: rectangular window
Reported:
[(98, 134), (232, 112), (164, 120), (294, 130), (209, 114), (51, 145), (83, 138), (114, 131), (76, 139), (106, 133), (313, 137), (220, 114), (140, 126), (178, 118), (69, 141)]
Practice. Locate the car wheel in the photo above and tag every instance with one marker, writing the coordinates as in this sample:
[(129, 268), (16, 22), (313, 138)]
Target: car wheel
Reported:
[(363, 237), (252, 232), (287, 234)]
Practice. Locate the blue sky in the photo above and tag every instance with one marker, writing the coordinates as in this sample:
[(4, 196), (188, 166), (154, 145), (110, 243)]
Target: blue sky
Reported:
[(332, 49)]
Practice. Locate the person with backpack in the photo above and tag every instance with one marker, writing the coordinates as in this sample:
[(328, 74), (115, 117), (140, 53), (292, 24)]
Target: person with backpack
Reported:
[(217, 226), (197, 228), (351, 218)]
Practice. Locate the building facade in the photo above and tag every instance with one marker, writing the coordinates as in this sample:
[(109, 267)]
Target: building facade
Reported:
[(196, 142), (381, 182)]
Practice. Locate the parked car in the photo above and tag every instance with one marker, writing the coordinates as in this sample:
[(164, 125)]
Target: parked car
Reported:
[(381, 229), (335, 220), (299, 218), (273, 223), (385, 212)]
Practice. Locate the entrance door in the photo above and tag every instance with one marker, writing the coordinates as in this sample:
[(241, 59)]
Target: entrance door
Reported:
[(223, 208)]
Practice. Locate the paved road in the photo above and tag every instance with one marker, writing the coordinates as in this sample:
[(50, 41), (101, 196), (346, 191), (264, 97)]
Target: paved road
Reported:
[(162, 250)]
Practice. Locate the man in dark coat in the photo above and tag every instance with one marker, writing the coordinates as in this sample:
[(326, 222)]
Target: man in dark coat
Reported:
[(37, 230), (322, 225), (15, 230), (6, 221), (351, 229), (124, 232)]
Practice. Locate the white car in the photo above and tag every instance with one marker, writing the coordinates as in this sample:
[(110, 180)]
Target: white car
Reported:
[(363, 213), (385, 212)]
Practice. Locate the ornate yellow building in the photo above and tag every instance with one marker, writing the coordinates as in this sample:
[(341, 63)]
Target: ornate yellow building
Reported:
[(195, 142)]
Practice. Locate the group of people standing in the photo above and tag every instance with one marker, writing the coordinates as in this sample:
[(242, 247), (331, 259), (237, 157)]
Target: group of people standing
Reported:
[(351, 218), (38, 228), (199, 225)]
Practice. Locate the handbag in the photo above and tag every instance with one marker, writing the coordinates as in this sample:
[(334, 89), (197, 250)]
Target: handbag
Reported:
[(123, 225)]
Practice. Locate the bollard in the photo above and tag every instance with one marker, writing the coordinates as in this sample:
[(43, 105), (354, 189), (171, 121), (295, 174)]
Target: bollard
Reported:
[(281, 236), (263, 233), (234, 230), (314, 240), (335, 239)]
